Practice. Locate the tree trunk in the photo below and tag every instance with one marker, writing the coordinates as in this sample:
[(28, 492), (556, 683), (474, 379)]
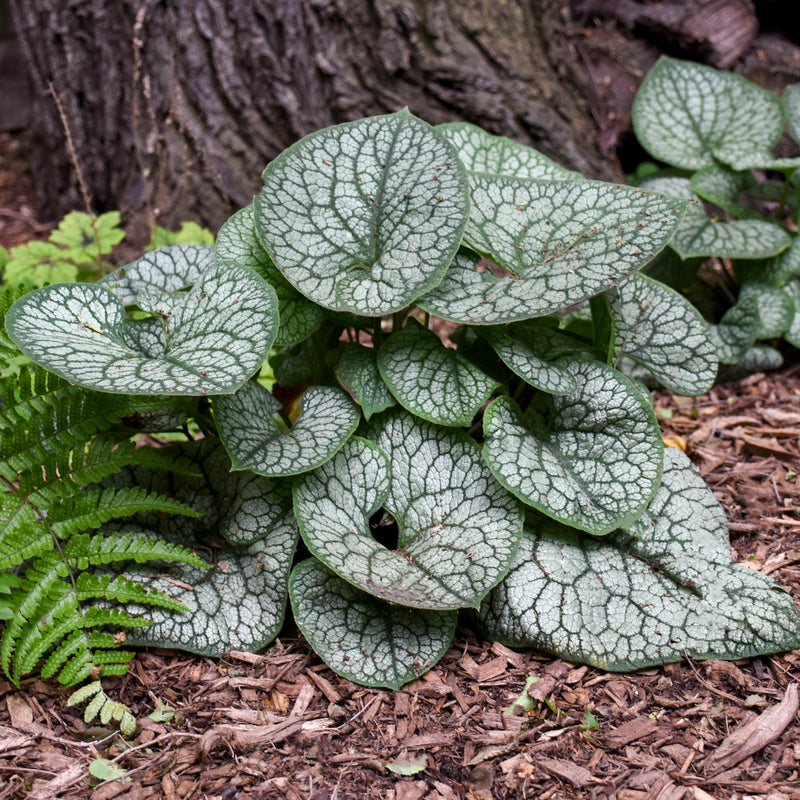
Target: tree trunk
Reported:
[(175, 106)]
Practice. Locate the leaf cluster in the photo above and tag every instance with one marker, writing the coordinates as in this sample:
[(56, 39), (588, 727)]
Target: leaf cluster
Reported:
[(736, 254), (449, 435), (64, 602)]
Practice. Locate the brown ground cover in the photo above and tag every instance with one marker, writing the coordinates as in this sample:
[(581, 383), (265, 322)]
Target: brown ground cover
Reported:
[(281, 725)]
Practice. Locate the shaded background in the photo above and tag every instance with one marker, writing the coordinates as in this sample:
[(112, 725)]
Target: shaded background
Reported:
[(175, 106)]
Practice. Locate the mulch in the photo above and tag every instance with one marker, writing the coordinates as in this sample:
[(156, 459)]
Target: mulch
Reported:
[(280, 724)]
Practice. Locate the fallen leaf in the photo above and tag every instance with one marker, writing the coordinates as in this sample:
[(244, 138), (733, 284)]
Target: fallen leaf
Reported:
[(756, 734)]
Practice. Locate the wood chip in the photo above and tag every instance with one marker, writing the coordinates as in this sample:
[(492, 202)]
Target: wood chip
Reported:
[(756, 734), (566, 770), (551, 681), (631, 731)]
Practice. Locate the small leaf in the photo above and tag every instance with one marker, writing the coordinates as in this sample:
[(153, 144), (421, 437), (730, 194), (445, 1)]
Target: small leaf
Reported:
[(759, 358), (561, 241), (792, 335), (723, 187), (776, 271), (737, 330), (689, 114), (592, 460), (532, 349), (87, 235), (162, 713), (237, 243), (104, 770), (217, 335), (430, 380), (660, 591), (480, 151), (700, 235), (159, 272), (365, 216), (357, 372), (457, 528), (791, 104), (366, 640), (408, 766), (775, 309), (663, 331), (258, 440)]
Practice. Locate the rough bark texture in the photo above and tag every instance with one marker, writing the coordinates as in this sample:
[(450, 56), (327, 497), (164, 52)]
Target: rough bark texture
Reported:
[(175, 106)]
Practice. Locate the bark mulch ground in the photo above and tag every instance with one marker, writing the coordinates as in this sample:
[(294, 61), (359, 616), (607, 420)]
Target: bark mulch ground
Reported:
[(281, 725)]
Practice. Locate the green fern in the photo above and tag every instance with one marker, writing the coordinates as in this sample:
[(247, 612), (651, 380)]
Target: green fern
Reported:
[(64, 603)]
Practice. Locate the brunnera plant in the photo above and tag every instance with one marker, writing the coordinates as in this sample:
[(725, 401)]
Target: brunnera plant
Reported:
[(398, 476), (715, 130)]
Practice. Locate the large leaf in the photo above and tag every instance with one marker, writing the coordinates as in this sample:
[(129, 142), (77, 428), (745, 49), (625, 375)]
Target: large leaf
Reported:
[(689, 114), (660, 591), (480, 151), (737, 330), (590, 459), (257, 439), (162, 271), (237, 243), (430, 380), (458, 529), (357, 372), (239, 604), (365, 216), (214, 336), (562, 241), (367, 640), (700, 235), (663, 332)]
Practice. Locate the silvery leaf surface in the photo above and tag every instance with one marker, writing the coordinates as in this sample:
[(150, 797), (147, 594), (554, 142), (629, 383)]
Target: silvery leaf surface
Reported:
[(215, 337), (239, 506), (688, 114), (458, 529), (661, 590), (791, 104), (776, 271), (365, 216), (590, 459), (792, 335), (663, 332), (161, 271), (758, 358), (364, 639), (738, 330), (699, 235), (237, 605), (775, 308), (480, 151), (357, 373), (723, 187), (258, 440), (237, 243), (240, 603), (430, 380), (532, 351), (561, 242)]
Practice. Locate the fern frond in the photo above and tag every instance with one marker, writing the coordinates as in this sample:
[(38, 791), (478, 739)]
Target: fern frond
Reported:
[(22, 534), (11, 358), (102, 549), (42, 414), (97, 506), (103, 706)]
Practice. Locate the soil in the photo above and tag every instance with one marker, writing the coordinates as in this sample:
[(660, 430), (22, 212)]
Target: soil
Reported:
[(280, 724)]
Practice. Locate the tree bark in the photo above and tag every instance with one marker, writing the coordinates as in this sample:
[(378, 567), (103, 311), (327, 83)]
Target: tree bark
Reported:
[(174, 107)]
